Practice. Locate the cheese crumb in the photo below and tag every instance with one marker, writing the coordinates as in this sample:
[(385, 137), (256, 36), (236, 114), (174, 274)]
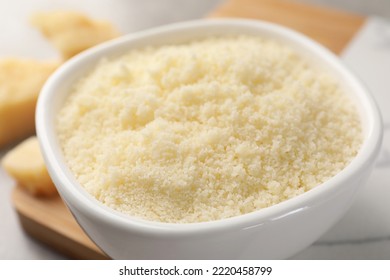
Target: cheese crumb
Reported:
[(206, 130)]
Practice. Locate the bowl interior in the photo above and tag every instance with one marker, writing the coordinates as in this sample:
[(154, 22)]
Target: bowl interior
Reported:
[(58, 86)]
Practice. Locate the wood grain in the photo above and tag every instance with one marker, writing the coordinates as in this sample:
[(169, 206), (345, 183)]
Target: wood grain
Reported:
[(49, 221), (332, 28)]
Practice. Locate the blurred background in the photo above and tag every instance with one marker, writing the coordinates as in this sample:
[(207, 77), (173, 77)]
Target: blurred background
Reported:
[(18, 38), (364, 7), (130, 16)]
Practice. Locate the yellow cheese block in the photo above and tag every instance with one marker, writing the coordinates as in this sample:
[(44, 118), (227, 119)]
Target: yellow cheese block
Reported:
[(72, 32), (26, 165), (20, 84)]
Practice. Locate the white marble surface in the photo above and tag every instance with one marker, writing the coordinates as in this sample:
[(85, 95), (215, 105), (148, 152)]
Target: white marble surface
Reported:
[(364, 7), (364, 233)]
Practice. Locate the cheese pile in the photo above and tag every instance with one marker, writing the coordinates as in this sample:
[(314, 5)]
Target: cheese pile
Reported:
[(206, 130)]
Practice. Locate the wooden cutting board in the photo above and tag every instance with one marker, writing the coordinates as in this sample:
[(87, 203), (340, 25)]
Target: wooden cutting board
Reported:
[(49, 221), (332, 28)]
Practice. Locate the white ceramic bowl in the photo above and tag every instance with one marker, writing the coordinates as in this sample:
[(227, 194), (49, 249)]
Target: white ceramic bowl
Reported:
[(276, 232)]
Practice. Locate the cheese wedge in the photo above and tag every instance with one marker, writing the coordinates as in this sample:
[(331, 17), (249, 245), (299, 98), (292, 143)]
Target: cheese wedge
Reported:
[(72, 32), (20, 84), (26, 165)]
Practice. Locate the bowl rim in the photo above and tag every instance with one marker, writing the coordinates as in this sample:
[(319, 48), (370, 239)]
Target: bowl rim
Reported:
[(92, 208)]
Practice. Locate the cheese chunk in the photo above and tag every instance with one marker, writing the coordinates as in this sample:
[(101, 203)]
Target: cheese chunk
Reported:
[(25, 164), (71, 32), (20, 84)]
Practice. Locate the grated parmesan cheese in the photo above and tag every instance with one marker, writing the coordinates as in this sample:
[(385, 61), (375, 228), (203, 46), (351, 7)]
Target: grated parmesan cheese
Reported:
[(206, 130)]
